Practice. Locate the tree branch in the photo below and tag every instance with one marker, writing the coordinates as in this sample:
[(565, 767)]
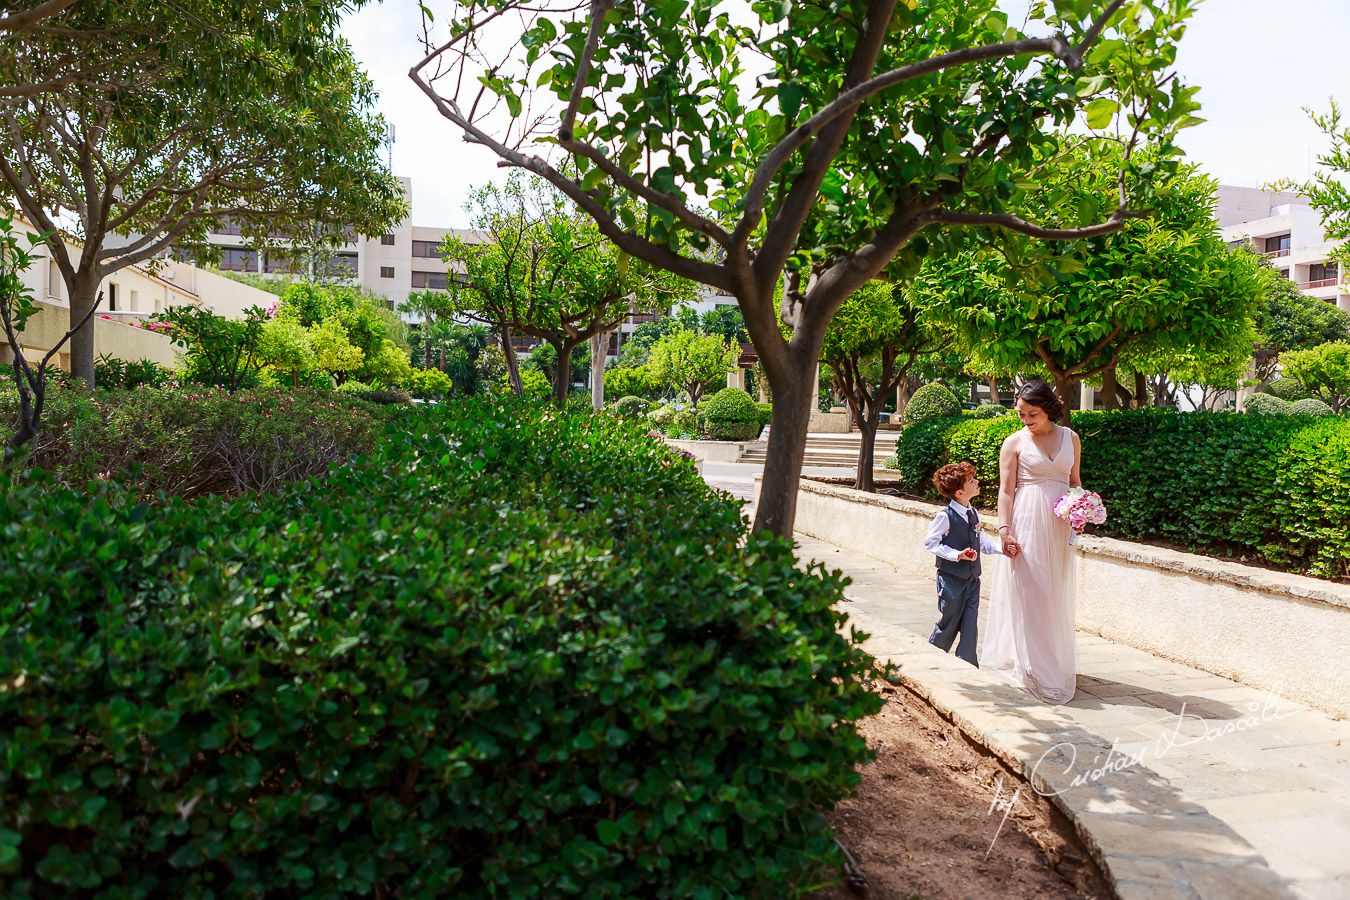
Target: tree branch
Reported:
[(1022, 226), (569, 116)]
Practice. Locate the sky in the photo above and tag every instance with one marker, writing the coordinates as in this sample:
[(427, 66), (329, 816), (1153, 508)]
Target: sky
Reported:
[(1257, 63)]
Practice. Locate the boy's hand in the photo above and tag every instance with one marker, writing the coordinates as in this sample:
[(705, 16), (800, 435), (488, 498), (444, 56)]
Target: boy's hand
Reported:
[(968, 554)]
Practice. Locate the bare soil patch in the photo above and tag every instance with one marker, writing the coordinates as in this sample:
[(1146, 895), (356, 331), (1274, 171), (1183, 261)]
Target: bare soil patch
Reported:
[(925, 822)]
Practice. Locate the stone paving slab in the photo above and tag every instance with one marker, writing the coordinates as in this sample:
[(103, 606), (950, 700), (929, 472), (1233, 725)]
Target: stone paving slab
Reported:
[(1184, 784)]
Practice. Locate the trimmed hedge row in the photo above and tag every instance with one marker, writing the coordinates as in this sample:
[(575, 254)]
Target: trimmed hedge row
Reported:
[(502, 655), (1224, 483)]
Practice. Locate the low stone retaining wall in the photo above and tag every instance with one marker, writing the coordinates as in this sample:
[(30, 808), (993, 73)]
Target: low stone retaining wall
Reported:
[(713, 451), (1284, 633)]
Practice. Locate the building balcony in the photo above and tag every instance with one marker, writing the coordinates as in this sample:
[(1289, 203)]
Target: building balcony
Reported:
[(1319, 283), (1275, 253)]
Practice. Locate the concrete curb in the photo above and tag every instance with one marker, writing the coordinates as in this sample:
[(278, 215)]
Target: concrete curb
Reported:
[(1150, 841)]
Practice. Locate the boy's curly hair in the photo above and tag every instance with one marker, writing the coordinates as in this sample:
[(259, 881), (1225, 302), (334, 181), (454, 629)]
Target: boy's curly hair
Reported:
[(952, 477)]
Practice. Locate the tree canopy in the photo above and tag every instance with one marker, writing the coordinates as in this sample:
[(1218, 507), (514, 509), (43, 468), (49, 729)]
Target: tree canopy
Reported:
[(198, 115), (1163, 286), (831, 143), (689, 361), (544, 270)]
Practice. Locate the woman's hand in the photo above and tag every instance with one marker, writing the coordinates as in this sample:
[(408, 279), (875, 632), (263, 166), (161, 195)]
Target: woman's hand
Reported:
[(1010, 546)]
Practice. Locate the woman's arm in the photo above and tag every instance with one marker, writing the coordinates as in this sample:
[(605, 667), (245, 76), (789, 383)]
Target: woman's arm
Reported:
[(1074, 479), (1007, 490)]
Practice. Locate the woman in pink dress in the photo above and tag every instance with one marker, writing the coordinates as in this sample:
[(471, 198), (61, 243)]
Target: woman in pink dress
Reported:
[(1029, 637)]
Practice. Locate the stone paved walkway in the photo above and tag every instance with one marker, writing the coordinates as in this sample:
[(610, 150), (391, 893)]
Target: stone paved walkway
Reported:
[(1189, 785)]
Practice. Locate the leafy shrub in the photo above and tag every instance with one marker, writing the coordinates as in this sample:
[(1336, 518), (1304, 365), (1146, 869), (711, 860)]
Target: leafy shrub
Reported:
[(429, 383), (988, 411), (353, 387), (385, 395), (1277, 487), (765, 413), (198, 440), (580, 401), (932, 401), (216, 351), (731, 415), (630, 407), (1311, 407), (631, 381), (1266, 405), (1289, 389), (683, 424), (121, 374), (502, 654), (661, 417)]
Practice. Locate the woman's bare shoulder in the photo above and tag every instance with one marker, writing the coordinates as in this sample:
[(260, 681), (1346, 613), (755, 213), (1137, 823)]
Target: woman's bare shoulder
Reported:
[(1011, 442)]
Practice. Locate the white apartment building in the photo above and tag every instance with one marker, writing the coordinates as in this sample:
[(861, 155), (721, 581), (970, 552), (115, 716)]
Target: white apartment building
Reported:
[(1289, 232), (393, 264)]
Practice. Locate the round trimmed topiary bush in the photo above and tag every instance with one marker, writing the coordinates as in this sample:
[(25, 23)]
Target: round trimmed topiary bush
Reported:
[(988, 411), (1267, 405), (765, 413), (1288, 389), (1311, 407), (630, 407), (932, 401), (730, 416)]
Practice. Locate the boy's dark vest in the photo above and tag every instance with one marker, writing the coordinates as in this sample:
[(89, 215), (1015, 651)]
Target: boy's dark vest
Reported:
[(960, 536)]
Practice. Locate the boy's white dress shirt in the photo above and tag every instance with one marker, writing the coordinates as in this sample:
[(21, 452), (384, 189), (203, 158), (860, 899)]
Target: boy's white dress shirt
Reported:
[(942, 524)]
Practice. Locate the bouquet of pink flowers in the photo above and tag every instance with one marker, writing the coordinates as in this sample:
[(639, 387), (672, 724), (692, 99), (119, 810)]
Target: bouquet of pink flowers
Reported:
[(1080, 508)]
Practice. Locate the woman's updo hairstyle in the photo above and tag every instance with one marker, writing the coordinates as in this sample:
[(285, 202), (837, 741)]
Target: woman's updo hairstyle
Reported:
[(1038, 393)]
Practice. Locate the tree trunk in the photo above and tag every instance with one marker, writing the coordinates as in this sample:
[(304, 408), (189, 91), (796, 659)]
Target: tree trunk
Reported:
[(426, 345), (562, 378), (994, 396), (1064, 386), (598, 344), (512, 367), (867, 443), (1140, 390), (794, 396), (83, 297), (1110, 397)]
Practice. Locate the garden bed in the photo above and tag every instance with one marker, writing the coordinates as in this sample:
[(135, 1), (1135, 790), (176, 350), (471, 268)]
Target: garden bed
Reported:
[(923, 822)]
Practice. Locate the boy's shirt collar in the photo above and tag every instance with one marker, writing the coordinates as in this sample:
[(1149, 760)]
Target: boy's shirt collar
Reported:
[(963, 510)]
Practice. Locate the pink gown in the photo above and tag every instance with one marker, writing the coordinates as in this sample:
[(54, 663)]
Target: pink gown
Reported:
[(1029, 636)]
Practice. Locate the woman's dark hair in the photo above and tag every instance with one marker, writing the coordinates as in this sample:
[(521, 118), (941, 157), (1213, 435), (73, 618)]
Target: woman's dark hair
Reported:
[(1038, 393)]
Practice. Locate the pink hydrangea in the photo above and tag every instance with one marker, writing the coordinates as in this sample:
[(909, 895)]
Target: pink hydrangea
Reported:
[(1080, 508)]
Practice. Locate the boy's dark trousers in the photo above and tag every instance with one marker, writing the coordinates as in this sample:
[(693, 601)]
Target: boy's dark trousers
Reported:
[(959, 609)]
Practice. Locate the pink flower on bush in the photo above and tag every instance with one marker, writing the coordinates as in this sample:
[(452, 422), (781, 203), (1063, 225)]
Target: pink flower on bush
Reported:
[(105, 317)]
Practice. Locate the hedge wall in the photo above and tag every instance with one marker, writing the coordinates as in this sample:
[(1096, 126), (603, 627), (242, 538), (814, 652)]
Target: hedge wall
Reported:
[(1276, 487), (502, 655)]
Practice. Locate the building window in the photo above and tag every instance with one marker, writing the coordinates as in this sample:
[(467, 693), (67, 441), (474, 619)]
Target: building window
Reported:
[(278, 262), (228, 226), (1278, 245), (346, 262), (437, 281), (387, 240), (426, 250), (112, 298), (1323, 272), (239, 259), (135, 302), (386, 271)]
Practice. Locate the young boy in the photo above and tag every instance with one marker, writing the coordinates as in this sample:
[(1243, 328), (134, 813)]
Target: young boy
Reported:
[(956, 539)]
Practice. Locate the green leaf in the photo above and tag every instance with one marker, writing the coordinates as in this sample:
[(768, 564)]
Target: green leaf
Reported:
[(1100, 112)]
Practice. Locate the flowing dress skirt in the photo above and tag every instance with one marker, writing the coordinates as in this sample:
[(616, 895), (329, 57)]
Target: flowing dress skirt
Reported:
[(1029, 637)]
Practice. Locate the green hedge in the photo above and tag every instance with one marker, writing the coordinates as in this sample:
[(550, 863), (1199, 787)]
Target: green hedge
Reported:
[(1267, 405), (503, 655), (198, 440), (1273, 487)]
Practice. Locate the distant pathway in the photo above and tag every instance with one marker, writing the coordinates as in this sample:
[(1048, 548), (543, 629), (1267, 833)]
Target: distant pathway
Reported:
[(1203, 787)]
